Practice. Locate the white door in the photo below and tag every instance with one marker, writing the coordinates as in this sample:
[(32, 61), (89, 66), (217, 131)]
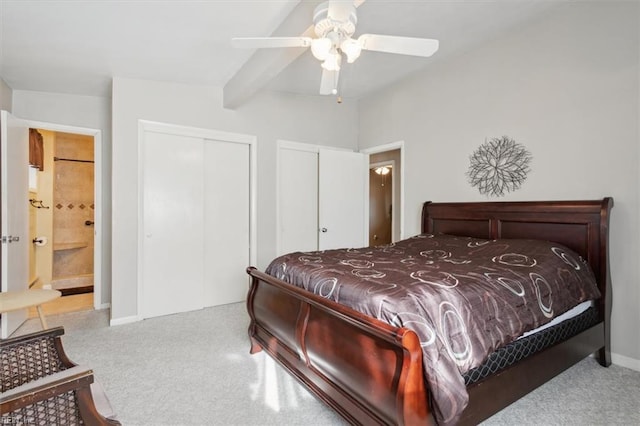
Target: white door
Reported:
[(173, 241), (297, 200), (196, 222), (14, 184), (343, 182), (321, 198), (226, 222)]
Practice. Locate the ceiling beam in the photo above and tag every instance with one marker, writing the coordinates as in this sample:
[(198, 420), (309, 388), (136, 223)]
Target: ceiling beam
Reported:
[(265, 64)]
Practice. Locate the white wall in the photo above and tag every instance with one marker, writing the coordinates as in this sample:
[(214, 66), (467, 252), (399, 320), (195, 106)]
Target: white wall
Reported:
[(567, 87), (6, 96), (317, 120), (79, 111)]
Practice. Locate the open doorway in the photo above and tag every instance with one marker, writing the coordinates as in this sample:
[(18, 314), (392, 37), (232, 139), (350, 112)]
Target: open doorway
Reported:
[(381, 202), (62, 217), (386, 195)]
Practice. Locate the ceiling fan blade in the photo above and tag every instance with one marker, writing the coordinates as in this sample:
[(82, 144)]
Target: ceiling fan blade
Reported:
[(339, 10), (402, 45), (329, 82), (270, 42)]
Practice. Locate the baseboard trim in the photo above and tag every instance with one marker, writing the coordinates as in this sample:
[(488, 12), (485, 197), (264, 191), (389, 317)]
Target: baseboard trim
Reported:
[(625, 361), (125, 320)]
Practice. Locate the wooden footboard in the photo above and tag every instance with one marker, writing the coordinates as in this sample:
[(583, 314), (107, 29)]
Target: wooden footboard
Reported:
[(368, 371)]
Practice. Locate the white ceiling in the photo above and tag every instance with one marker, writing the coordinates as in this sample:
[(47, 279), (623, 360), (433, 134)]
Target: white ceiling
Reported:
[(78, 46)]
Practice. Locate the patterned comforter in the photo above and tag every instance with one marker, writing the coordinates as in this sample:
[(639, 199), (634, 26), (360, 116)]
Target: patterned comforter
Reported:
[(464, 297)]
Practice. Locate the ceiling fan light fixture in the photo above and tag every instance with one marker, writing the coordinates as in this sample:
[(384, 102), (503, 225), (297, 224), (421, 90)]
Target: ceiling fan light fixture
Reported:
[(352, 49), (339, 16), (332, 62), (321, 48), (334, 23), (384, 170)]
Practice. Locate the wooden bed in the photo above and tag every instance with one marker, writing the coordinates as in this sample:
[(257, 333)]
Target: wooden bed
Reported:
[(371, 372)]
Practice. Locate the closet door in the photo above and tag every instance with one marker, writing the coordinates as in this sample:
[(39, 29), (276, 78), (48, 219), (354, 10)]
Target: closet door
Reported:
[(342, 213), (226, 222), (173, 241), (196, 223), (297, 200), (321, 198)]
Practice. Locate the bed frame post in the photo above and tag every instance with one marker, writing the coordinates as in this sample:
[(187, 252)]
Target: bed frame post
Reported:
[(255, 346), (605, 303)]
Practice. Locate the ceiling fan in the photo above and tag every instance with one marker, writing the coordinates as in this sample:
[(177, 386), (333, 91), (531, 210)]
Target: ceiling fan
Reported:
[(334, 23)]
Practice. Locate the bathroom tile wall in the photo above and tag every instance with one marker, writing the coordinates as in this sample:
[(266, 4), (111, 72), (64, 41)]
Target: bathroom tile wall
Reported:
[(73, 205)]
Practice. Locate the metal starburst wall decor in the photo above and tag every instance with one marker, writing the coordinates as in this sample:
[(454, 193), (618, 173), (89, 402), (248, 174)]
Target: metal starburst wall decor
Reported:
[(498, 166)]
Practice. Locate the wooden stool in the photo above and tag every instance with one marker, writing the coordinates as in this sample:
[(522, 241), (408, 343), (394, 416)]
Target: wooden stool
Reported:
[(16, 300)]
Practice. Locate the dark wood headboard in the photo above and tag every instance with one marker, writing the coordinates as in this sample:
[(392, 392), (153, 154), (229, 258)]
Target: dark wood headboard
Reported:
[(583, 226)]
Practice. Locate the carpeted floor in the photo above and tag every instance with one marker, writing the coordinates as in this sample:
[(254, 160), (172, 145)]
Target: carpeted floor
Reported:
[(195, 369)]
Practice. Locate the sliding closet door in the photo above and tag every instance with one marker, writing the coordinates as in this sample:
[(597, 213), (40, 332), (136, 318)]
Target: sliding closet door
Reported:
[(173, 241), (226, 224), (196, 208)]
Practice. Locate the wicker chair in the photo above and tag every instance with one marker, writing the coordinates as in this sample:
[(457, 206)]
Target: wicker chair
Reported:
[(40, 385)]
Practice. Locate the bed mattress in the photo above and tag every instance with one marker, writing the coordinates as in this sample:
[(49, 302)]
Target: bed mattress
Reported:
[(534, 342)]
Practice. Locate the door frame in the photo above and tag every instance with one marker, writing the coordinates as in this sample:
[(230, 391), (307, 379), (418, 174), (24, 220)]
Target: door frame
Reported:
[(97, 198), (400, 172), (196, 132)]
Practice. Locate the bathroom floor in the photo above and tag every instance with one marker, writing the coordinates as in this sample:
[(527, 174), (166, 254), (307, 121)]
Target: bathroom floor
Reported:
[(78, 302), (67, 303)]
